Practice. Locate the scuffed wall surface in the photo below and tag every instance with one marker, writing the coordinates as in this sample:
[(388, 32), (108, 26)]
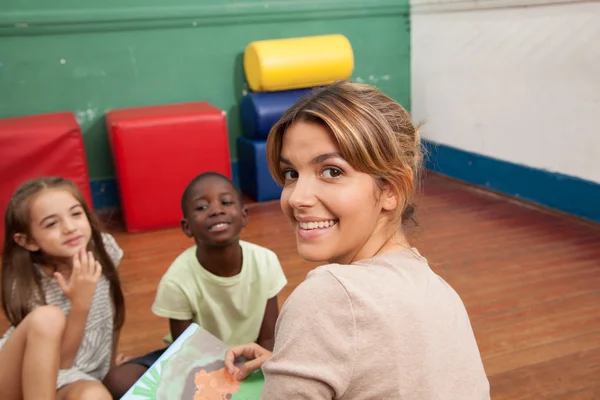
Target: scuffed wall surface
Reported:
[(521, 84)]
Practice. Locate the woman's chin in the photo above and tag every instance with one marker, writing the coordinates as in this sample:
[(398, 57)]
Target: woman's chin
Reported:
[(312, 254)]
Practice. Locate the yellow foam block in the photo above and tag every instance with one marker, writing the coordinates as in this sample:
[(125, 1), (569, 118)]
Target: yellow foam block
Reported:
[(285, 64)]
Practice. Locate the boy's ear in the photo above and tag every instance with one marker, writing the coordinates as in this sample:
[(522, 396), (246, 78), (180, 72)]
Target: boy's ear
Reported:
[(22, 240), (244, 216), (185, 227)]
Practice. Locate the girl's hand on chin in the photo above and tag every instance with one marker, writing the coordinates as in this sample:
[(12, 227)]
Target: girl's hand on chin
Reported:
[(84, 277)]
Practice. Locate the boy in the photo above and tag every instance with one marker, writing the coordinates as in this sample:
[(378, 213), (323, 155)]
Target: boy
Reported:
[(226, 285)]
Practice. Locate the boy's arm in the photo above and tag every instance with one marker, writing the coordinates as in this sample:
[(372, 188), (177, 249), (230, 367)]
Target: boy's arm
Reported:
[(178, 327), (266, 337), (276, 281)]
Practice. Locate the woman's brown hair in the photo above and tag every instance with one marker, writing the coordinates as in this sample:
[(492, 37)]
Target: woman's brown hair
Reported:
[(375, 135), (21, 280)]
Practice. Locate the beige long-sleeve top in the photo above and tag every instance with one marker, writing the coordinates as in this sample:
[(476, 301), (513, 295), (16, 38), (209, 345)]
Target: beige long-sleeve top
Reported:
[(382, 328)]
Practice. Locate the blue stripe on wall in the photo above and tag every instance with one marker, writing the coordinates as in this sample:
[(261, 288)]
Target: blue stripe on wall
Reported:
[(105, 192), (561, 192)]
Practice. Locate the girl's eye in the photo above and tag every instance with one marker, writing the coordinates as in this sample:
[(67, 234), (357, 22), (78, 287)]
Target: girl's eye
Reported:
[(77, 213), (290, 175), (201, 208), (51, 224), (227, 202), (332, 172)]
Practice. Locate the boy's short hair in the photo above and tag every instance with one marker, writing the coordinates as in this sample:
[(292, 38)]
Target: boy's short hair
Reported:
[(200, 178)]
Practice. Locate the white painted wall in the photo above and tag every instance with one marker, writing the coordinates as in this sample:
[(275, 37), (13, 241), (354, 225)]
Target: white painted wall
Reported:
[(521, 84)]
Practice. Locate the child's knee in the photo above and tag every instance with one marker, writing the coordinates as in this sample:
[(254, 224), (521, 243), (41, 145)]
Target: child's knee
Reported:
[(92, 390), (96, 392), (49, 321)]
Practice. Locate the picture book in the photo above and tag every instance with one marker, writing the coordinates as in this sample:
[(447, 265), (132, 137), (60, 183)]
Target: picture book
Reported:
[(193, 368)]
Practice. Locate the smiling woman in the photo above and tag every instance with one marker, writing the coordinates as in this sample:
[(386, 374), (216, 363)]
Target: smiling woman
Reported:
[(343, 155), (324, 197), (376, 321)]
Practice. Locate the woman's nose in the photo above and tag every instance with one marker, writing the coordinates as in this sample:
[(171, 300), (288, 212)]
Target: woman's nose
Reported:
[(302, 194)]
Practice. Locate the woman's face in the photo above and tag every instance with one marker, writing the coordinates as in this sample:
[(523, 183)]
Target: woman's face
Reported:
[(335, 210)]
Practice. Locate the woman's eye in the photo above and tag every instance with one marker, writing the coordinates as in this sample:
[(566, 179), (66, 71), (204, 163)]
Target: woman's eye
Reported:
[(332, 172), (287, 175)]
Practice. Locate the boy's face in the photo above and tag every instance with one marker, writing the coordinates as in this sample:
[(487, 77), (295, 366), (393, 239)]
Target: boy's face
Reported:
[(214, 214)]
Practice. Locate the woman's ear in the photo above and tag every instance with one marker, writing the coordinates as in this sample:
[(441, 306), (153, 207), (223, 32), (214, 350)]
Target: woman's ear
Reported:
[(22, 240), (390, 198)]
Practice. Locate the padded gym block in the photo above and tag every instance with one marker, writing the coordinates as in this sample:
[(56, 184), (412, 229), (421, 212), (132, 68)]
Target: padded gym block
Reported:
[(255, 178), (157, 151), (296, 63), (37, 146), (260, 111)]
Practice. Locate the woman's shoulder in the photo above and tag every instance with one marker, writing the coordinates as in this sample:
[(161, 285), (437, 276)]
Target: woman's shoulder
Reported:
[(402, 274), (320, 288), (407, 261), (344, 283)]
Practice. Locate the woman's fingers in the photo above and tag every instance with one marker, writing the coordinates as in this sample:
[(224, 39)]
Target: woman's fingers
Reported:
[(252, 351), (251, 366)]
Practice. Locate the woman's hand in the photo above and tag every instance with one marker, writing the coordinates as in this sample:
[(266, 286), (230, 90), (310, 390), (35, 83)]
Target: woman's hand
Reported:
[(84, 277), (253, 352)]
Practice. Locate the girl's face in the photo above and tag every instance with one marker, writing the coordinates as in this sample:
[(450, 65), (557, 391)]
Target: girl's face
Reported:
[(59, 226), (335, 210)]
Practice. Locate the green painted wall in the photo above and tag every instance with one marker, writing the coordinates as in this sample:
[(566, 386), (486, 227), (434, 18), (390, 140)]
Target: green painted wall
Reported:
[(90, 56)]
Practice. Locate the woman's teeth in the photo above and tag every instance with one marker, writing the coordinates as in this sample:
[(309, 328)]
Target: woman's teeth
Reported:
[(317, 225)]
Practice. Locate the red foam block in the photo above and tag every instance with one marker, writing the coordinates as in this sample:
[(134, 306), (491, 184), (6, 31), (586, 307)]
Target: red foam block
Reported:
[(40, 145), (157, 151)]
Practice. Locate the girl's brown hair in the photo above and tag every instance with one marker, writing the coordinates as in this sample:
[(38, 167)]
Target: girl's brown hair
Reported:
[(375, 135), (21, 281)]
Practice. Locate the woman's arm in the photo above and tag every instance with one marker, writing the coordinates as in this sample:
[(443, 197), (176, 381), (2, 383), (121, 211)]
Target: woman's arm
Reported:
[(315, 344)]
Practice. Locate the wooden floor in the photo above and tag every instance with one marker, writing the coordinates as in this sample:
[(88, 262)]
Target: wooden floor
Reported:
[(530, 280)]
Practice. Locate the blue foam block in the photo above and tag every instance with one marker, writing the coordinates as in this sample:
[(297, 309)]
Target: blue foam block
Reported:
[(260, 111), (254, 176)]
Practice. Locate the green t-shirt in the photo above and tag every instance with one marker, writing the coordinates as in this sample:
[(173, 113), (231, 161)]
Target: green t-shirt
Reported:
[(232, 309)]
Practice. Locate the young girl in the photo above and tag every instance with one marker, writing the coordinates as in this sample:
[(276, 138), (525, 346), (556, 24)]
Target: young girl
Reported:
[(376, 322), (61, 294)]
